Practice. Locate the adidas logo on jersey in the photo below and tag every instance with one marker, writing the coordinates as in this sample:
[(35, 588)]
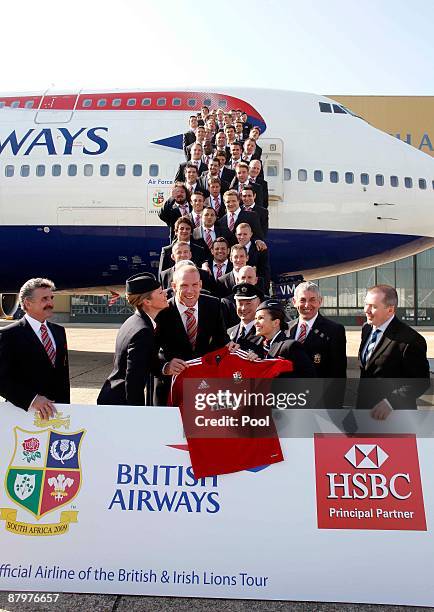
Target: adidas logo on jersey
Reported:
[(203, 385)]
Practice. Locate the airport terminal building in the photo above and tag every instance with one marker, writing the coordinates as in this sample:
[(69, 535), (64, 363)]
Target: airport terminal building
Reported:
[(405, 117)]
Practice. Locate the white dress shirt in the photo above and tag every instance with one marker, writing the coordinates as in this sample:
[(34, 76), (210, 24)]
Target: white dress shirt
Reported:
[(309, 325), (36, 326), (182, 309)]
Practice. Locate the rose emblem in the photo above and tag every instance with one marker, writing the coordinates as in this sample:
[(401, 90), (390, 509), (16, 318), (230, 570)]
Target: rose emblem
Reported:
[(30, 449)]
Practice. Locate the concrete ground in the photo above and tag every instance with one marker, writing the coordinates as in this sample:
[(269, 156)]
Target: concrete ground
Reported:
[(91, 356)]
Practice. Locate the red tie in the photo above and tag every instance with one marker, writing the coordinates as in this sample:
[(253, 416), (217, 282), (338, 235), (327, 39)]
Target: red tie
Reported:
[(219, 270), (184, 209), (217, 205), (231, 222), (208, 239), (48, 345), (302, 336), (197, 221), (191, 326), (266, 347)]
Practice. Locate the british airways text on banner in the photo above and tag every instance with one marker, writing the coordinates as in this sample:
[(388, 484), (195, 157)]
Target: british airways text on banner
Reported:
[(55, 141)]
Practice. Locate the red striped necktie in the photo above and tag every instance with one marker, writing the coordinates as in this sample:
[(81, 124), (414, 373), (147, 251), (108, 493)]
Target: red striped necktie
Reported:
[(217, 205), (219, 270), (208, 239), (231, 222), (191, 326), (303, 334), (48, 345)]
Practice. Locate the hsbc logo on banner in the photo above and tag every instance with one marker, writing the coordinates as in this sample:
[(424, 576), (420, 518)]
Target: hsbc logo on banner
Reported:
[(368, 483)]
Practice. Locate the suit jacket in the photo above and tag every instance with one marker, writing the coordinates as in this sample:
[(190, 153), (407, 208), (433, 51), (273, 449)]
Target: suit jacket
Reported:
[(261, 261), (174, 342), (136, 356), (188, 139), (198, 235), (229, 266), (263, 217), (180, 174), (226, 283), (170, 213), (235, 330), (229, 311), (399, 365), (287, 349), (203, 185), (198, 255), (325, 345), (263, 183), (227, 175), (244, 216), (222, 209), (26, 370)]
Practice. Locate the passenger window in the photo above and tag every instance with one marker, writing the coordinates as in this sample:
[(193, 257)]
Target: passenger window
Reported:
[(272, 170), (29, 104), (379, 180), (318, 176), (364, 178), (153, 170), (176, 102), (88, 169), (72, 170), (131, 102), (40, 170), (25, 170), (325, 107), (87, 102), (9, 171), (104, 170), (116, 102), (223, 103), (334, 176), (207, 102), (349, 178), (101, 102), (15, 104), (120, 170), (422, 184), (192, 102), (339, 109), (408, 182), (394, 181), (137, 170), (161, 102), (146, 102), (56, 169), (2, 104), (287, 175), (302, 175)]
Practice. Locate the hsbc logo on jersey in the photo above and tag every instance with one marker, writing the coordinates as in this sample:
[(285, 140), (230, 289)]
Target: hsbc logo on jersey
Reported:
[(368, 483)]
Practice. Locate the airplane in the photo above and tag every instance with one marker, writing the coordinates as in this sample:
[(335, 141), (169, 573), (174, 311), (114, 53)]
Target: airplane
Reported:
[(83, 175)]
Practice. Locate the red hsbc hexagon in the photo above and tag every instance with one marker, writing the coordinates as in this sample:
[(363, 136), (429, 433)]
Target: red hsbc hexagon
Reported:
[(365, 482)]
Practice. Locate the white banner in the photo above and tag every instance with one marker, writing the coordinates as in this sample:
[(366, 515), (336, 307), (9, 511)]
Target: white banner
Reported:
[(103, 500)]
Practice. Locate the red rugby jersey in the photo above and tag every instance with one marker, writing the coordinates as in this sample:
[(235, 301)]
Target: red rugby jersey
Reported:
[(230, 445)]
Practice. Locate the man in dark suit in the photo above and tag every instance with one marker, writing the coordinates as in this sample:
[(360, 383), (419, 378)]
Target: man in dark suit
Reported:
[(191, 327), (256, 177), (215, 198), (241, 180), (212, 173), (236, 155), (34, 371), (209, 230), (235, 215), (226, 174), (238, 258), (247, 299), (189, 137), (218, 263), (176, 206), (394, 369), (254, 134), (183, 232), (181, 252), (255, 257), (196, 160), (324, 342), (251, 150), (272, 342), (136, 353), (248, 199), (246, 274)]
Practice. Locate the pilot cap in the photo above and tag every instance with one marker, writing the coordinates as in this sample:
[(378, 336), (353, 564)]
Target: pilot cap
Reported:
[(246, 291), (141, 283), (271, 304)]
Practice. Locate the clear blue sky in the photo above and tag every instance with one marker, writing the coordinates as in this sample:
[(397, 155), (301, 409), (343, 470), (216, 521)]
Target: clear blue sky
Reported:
[(323, 46)]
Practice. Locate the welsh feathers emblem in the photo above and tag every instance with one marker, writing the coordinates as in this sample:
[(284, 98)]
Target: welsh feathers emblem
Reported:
[(44, 472)]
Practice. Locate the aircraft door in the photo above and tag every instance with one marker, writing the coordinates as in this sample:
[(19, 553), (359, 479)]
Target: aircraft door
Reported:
[(56, 108), (272, 160)]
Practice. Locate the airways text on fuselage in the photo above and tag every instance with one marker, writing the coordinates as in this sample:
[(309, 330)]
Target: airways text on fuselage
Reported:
[(55, 141)]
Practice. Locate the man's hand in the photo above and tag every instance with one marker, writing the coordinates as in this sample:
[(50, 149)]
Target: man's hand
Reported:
[(260, 245), (252, 356), (44, 406), (381, 411), (174, 367), (232, 346), (205, 266)]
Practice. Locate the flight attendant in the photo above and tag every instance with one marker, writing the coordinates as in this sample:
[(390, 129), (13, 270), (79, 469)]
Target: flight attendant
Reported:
[(136, 350)]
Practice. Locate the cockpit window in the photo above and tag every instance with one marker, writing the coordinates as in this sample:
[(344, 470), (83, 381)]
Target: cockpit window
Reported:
[(325, 107), (339, 109)]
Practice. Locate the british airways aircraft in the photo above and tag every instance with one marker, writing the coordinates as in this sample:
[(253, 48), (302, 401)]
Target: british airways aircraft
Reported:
[(83, 175)]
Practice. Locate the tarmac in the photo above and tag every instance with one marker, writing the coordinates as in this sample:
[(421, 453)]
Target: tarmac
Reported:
[(91, 357)]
